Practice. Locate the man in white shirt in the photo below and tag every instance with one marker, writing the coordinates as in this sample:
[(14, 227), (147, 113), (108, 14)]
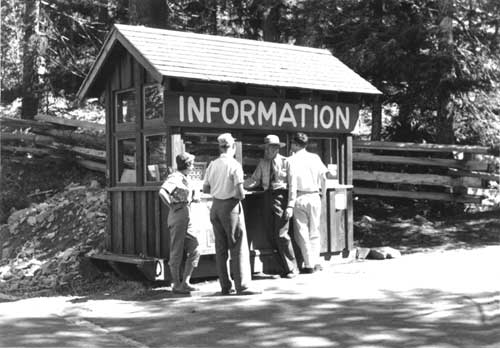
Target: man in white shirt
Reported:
[(224, 181), (306, 175)]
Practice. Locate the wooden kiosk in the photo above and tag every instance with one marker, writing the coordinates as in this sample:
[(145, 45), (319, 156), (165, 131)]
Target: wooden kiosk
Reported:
[(168, 91)]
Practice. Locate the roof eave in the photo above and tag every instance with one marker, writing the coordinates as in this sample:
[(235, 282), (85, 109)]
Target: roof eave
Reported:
[(113, 37)]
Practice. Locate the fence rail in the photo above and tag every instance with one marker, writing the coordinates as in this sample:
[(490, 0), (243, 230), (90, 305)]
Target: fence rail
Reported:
[(454, 173)]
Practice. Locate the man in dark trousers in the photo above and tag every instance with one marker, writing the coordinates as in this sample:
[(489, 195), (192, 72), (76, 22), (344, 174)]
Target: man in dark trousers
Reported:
[(224, 181), (272, 175)]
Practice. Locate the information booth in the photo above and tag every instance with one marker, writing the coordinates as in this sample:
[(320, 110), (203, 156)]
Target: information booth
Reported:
[(168, 92)]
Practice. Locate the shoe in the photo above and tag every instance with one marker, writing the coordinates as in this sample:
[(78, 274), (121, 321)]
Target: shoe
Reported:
[(226, 292), (246, 292), (181, 291), (318, 268), (261, 275), (307, 270), (190, 288), (290, 275)]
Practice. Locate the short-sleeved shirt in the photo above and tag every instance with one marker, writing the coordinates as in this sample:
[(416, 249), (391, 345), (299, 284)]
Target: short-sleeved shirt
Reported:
[(223, 175), (306, 173), (178, 187), (277, 178)]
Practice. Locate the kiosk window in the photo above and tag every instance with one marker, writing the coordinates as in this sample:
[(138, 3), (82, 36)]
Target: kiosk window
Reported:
[(203, 145), (253, 151), (327, 150), (153, 102), (156, 158), (126, 150), (126, 106)]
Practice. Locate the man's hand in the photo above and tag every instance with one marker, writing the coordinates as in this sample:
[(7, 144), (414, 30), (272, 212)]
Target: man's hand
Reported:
[(288, 213)]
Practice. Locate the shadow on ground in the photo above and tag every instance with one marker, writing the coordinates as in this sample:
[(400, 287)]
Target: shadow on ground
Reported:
[(418, 318), (417, 234)]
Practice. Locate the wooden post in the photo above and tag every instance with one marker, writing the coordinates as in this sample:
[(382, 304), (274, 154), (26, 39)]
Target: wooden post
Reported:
[(177, 147)]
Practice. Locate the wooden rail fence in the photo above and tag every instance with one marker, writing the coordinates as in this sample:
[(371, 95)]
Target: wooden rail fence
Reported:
[(453, 173)]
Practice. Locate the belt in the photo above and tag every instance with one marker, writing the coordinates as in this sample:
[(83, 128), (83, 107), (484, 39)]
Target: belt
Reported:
[(306, 192), (178, 205)]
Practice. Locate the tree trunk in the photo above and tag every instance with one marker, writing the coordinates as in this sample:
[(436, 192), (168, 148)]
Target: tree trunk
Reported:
[(376, 119), (445, 117), (150, 13), (30, 83), (270, 19)]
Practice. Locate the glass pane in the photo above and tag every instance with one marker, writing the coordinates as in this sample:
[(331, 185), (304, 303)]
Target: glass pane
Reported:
[(327, 149), (156, 158), (204, 146), (153, 102), (253, 151), (126, 107), (126, 160)]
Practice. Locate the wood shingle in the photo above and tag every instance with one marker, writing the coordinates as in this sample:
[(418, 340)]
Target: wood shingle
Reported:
[(167, 53)]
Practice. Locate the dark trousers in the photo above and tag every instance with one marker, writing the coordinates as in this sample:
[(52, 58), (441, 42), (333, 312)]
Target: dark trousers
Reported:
[(228, 222), (277, 201)]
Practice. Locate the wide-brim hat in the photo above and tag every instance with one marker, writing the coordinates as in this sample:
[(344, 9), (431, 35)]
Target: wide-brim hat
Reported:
[(272, 139)]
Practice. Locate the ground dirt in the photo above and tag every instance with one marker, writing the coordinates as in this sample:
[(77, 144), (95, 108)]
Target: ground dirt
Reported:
[(55, 214)]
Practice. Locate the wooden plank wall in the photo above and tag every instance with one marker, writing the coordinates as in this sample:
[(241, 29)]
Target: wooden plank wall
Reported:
[(140, 225)]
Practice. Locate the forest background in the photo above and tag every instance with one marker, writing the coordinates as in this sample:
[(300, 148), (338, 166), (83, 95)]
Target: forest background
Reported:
[(436, 62)]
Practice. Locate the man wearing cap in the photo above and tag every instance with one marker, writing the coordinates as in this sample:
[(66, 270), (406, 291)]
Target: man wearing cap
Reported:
[(177, 193), (272, 175), (307, 173), (224, 181)]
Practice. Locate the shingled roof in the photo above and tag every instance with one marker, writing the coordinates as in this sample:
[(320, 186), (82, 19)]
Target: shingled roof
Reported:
[(226, 59)]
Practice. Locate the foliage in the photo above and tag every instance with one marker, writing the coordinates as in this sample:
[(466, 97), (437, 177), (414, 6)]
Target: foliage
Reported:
[(398, 45), (11, 40)]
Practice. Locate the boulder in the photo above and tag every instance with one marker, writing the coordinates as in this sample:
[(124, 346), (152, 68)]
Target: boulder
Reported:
[(375, 254), (383, 253), (362, 253)]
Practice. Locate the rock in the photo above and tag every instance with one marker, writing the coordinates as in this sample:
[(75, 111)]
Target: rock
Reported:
[(383, 253), (420, 219), (67, 253), (367, 219), (7, 275), (13, 228), (391, 253), (6, 252), (375, 254), (17, 215), (94, 184), (32, 221), (362, 253)]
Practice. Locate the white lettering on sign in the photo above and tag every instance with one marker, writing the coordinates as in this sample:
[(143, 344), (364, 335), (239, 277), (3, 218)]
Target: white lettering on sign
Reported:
[(341, 116), (326, 123), (195, 109), (247, 110), (212, 108), (263, 114), (303, 108), (287, 110), (252, 112), (235, 109)]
